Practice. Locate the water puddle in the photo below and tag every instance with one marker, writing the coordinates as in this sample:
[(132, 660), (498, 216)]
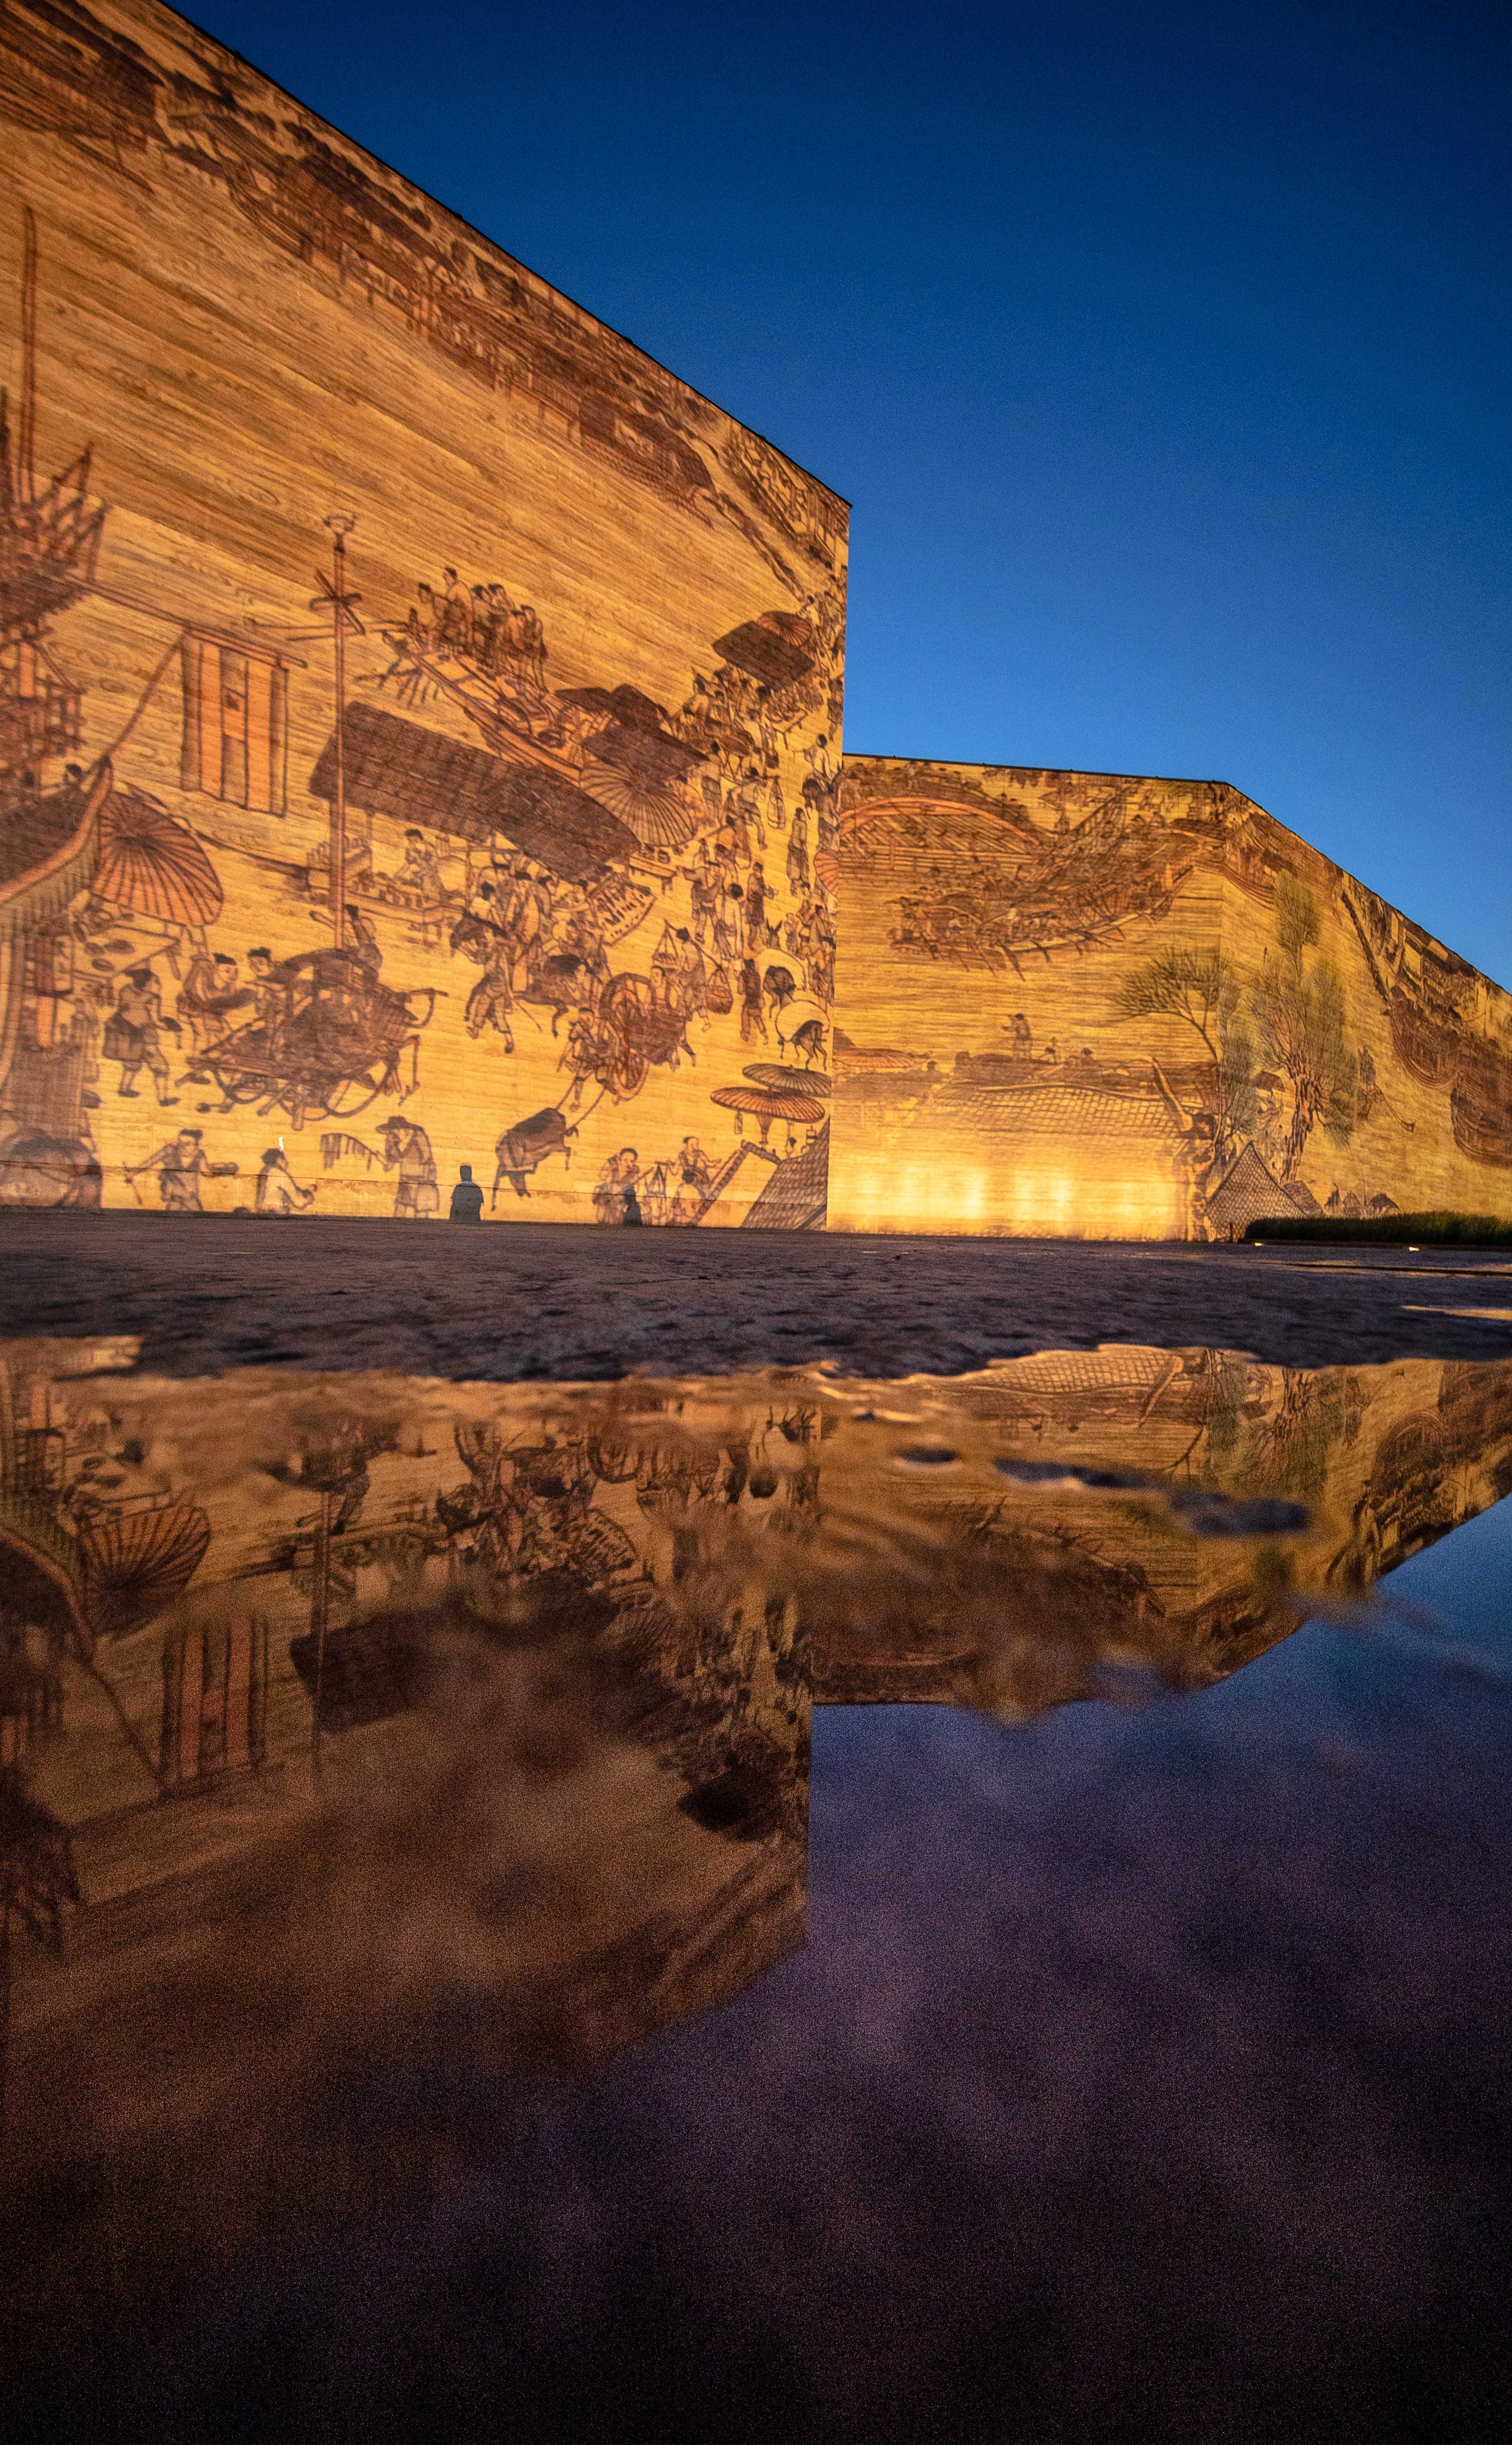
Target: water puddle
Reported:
[(462, 1731)]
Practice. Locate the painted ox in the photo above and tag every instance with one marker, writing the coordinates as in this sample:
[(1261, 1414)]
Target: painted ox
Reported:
[(529, 1143)]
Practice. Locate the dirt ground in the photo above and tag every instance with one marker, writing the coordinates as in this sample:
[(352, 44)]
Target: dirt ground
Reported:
[(502, 1303)]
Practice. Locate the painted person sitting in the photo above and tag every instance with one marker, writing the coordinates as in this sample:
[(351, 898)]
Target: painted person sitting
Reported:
[(278, 1192)]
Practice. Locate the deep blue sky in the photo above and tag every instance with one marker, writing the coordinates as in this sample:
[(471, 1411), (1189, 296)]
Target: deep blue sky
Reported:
[(1163, 353)]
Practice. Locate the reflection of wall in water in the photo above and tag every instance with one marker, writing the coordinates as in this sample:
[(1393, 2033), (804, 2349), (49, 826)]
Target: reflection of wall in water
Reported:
[(548, 1657), (1383, 1460), (220, 1598)]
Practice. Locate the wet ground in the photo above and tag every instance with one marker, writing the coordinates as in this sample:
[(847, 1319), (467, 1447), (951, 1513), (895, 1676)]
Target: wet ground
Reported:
[(522, 1300), (763, 1901)]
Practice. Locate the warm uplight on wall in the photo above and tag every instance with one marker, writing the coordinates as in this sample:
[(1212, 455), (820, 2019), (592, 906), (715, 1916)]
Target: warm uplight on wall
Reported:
[(933, 1197)]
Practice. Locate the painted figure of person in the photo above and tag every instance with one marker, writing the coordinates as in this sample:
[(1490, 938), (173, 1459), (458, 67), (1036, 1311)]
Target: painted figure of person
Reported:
[(180, 1166), (817, 760), (195, 1008), (533, 644), (798, 851), (737, 829), (686, 1205), (692, 978), (750, 798), (705, 894), (619, 1173), (423, 620), (491, 998), (666, 964), (485, 620), (279, 1194), (693, 721), (268, 994), (407, 1149), (467, 1198), (752, 1019), (134, 1033), (579, 1055), (695, 1167), (456, 615), (420, 872), (362, 937)]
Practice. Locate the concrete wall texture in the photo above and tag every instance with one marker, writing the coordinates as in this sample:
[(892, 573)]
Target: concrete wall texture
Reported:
[(420, 746)]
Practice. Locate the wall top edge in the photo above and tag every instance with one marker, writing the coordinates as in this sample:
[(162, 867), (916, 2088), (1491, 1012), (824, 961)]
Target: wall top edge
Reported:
[(174, 28), (857, 764)]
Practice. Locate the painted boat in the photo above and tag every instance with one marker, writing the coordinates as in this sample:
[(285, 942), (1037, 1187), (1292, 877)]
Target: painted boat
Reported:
[(1480, 1103), (1429, 1050)]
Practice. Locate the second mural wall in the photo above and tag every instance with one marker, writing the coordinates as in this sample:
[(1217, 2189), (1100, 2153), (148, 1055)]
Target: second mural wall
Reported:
[(1108, 1006)]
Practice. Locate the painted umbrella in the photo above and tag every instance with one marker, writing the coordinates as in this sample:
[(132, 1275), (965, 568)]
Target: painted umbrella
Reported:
[(766, 1104), (152, 865), (658, 819), (781, 1080)]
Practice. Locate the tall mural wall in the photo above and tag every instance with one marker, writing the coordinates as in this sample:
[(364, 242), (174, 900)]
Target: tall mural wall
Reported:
[(420, 747), (419, 712), (1105, 1006)]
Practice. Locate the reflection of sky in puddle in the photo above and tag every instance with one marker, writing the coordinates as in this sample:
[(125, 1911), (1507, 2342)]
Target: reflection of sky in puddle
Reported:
[(376, 1749)]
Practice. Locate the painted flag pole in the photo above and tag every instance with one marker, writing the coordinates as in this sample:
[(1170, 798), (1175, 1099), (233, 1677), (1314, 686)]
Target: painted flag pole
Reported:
[(334, 595)]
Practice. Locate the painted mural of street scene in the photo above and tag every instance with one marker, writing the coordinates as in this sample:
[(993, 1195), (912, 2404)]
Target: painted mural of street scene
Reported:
[(1087, 1004), (328, 873)]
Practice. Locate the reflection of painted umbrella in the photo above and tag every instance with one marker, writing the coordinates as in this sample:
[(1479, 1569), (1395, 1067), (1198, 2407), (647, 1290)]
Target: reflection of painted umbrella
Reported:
[(782, 1080), (152, 866), (766, 1104), (137, 1562)]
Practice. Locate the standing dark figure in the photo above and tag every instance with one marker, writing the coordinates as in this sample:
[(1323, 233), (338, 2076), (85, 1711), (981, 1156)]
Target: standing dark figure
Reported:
[(467, 1198)]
